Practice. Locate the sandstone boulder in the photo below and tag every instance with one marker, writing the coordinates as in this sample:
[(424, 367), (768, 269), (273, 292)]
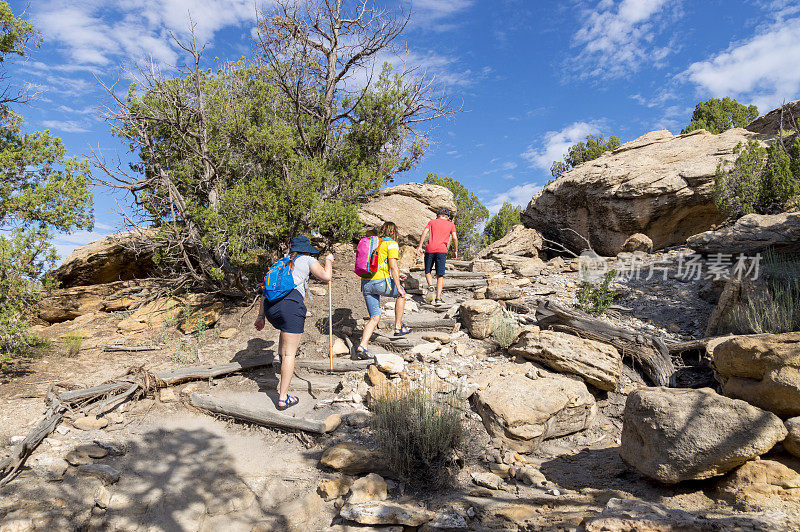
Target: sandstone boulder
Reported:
[(369, 488), (792, 441), (390, 363), (386, 513), (761, 485), (762, 369), (411, 206), (502, 290), (659, 185), (523, 266), (106, 260), (524, 411), (65, 304), (751, 234), (479, 316), (599, 364), (520, 241), (638, 242), (486, 266), (673, 435), (190, 313), (350, 458), (775, 120)]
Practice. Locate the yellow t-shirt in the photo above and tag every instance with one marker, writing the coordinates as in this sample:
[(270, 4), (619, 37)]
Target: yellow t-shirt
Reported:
[(389, 249)]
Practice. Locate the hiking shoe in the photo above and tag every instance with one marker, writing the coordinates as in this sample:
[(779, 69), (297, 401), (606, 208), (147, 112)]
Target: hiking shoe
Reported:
[(429, 295), (438, 302)]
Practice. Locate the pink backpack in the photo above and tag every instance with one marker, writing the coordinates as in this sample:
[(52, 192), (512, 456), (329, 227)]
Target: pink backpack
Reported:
[(367, 255)]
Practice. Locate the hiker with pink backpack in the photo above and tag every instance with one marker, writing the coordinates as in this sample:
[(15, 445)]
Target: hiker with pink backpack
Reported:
[(284, 307), (377, 265)]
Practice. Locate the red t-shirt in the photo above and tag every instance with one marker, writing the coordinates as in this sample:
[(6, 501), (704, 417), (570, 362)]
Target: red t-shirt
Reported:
[(440, 230)]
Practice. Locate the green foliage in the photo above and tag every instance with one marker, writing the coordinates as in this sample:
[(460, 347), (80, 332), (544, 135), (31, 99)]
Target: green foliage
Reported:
[(582, 152), (716, 116), (417, 430), (470, 213), (505, 329), (501, 223), (597, 299), (772, 306), (260, 183), (41, 191), (761, 180)]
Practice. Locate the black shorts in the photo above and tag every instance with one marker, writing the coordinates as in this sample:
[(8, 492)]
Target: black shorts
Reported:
[(439, 259), (287, 314)]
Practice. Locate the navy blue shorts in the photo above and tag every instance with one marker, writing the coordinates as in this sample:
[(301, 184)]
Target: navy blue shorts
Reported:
[(287, 314), (439, 259)]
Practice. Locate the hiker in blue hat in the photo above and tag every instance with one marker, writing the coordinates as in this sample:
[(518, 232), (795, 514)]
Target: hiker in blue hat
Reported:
[(282, 305)]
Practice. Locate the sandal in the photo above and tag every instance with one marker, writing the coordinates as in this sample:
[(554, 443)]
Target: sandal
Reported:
[(276, 360), (402, 331), (290, 400), (363, 354)]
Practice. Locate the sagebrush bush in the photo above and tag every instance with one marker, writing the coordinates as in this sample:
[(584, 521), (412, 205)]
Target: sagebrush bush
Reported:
[(597, 299), (72, 343), (505, 329), (775, 306), (416, 430)]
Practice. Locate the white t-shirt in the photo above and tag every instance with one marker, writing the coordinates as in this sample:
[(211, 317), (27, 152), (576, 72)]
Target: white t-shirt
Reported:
[(301, 272)]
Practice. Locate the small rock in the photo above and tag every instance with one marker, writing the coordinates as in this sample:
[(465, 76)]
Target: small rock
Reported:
[(333, 488), (442, 373), (77, 458), (448, 520), (230, 332), (530, 476), (105, 473), (369, 488), (112, 448), (554, 492), (437, 336), (389, 363), (16, 439), (359, 418), (487, 480), (501, 470), (318, 291), (425, 349), (375, 375), (167, 395), (386, 513), (90, 423), (792, 441), (340, 347), (350, 458)]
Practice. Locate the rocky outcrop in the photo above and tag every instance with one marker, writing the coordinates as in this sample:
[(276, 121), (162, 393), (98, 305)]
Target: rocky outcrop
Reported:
[(760, 485), (519, 241), (192, 313), (410, 206), (479, 316), (672, 435), (781, 118), (386, 513), (659, 185), (751, 234), (106, 260), (524, 406), (597, 363), (762, 369), (69, 303)]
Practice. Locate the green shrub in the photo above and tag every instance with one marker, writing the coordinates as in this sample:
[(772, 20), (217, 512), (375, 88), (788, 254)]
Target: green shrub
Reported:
[(597, 299), (761, 180), (506, 329), (417, 430), (72, 343)]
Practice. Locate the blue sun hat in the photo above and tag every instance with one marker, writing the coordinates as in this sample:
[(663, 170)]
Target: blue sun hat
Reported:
[(443, 210), (301, 244)]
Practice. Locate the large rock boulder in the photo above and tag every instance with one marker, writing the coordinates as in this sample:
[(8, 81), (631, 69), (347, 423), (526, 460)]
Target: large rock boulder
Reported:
[(68, 303), (673, 435), (750, 234), (776, 120), (525, 406), (519, 241), (479, 316), (659, 185), (597, 363), (410, 207), (762, 369), (116, 257), (760, 485)]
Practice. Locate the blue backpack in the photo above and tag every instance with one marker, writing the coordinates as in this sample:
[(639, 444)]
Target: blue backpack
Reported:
[(278, 281)]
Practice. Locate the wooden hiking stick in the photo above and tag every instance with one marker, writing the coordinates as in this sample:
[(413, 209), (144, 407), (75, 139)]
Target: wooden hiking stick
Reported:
[(330, 324)]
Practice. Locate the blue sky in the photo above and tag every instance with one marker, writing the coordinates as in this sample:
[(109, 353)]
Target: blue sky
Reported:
[(533, 77)]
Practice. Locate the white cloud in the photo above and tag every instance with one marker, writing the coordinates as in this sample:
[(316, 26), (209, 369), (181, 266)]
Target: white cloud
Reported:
[(518, 195), (555, 144), (67, 126), (764, 70), (431, 14), (99, 33), (66, 244), (616, 38)]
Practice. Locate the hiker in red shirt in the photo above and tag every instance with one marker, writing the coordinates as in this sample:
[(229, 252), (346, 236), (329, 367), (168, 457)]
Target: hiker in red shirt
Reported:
[(438, 232)]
